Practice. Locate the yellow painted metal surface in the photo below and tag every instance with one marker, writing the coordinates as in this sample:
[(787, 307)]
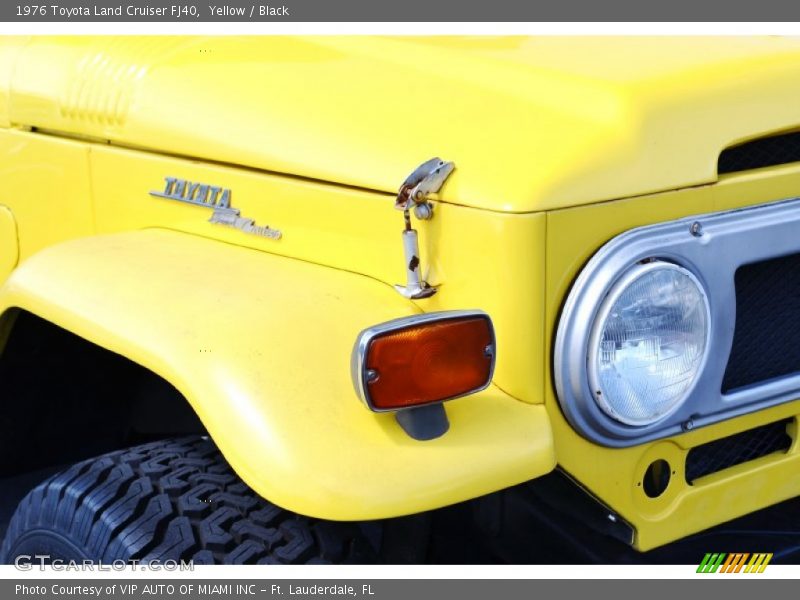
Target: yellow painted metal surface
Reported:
[(260, 345), (92, 188), (9, 249), (616, 475), (531, 123), (356, 231), (9, 50), (46, 186), (257, 332)]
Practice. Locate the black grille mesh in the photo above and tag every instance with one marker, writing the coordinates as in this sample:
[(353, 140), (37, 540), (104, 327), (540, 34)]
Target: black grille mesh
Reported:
[(763, 152), (737, 449), (766, 339)]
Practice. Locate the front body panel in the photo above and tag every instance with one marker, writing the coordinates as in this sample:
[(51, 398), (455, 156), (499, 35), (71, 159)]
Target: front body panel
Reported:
[(616, 475), (9, 245), (356, 231), (260, 347), (257, 331), (46, 187)]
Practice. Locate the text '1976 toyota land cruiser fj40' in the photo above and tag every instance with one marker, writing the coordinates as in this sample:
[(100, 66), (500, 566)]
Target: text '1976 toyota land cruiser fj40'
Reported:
[(279, 299)]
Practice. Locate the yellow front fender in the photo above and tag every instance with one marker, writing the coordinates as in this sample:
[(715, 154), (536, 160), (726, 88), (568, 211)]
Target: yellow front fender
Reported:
[(9, 246), (260, 346)]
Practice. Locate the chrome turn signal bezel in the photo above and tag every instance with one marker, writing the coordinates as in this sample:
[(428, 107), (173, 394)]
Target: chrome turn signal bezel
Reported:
[(359, 372)]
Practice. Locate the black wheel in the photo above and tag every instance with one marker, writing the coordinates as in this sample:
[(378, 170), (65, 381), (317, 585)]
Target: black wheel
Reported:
[(170, 500)]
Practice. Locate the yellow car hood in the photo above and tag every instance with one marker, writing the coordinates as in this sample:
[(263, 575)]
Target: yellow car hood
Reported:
[(531, 123)]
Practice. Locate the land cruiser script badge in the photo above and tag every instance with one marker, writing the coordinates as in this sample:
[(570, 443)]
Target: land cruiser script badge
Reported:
[(217, 198)]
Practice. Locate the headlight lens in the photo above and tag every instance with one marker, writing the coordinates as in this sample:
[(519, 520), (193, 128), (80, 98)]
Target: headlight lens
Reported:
[(648, 342)]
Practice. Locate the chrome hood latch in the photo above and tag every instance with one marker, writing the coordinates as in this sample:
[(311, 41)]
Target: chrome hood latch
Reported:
[(414, 194)]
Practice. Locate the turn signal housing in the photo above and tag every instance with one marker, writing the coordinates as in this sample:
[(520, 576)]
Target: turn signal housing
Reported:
[(423, 359)]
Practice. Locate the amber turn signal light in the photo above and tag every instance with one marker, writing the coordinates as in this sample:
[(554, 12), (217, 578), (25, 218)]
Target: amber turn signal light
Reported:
[(424, 359)]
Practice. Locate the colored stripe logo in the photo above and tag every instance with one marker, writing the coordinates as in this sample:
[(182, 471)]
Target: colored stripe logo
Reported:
[(736, 562)]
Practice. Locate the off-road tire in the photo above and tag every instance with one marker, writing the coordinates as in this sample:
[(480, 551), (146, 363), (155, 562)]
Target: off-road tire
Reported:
[(169, 500)]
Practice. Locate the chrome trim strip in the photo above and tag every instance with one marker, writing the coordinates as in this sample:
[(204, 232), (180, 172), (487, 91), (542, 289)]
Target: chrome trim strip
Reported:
[(364, 339), (711, 247)]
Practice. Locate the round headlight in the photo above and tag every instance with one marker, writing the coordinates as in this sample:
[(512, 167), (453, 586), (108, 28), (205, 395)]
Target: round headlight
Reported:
[(648, 342)]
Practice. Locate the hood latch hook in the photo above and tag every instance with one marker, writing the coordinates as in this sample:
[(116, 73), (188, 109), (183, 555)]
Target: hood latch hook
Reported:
[(414, 194)]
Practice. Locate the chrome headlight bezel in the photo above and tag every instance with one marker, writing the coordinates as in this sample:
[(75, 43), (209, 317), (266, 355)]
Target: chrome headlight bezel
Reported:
[(711, 247)]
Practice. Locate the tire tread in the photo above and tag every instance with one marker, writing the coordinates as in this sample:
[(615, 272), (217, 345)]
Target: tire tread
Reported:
[(175, 500)]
